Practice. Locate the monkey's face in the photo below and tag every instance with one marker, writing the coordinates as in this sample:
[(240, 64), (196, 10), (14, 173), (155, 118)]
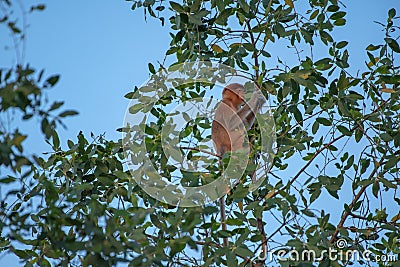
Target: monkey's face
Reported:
[(239, 93), (236, 95)]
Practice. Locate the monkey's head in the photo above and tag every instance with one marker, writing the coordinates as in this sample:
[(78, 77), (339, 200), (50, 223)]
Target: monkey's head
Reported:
[(234, 93)]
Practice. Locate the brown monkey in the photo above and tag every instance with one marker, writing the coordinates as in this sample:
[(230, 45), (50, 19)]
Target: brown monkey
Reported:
[(233, 118)]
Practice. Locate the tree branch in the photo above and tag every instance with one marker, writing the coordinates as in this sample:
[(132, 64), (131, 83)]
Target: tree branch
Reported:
[(353, 202)]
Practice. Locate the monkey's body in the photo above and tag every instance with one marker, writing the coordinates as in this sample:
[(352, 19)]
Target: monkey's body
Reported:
[(233, 118), (226, 138)]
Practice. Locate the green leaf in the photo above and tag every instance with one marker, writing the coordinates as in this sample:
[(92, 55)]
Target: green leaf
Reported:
[(338, 15), (324, 121), (340, 22), (22, 254), (56, 140), (350, 162), (136, 108), (354, 95), (333, 193), (392, 13), (38, 7), (52, 81), (232, 221), (243, 251), (359, 134), (297, 114), (240, 193), (248, 46), (308, 213), (390, 79), (244, 5), (393, 44), (326, 37), (375, 188), (68, 113), (70, 144), (177, 7), (129, 95), (151, 68), (45, 127), (323, 64), (18, 139), (315, 194), (314, 14), (344, 130), (315, 127), (195, 19), (106, 180), (279, 29), (195, 5), (223, 16), (341, 44), (56, 105), (7, 180), (177, 246), (372, 47), (386, 137), (13, 28), (333, 8)]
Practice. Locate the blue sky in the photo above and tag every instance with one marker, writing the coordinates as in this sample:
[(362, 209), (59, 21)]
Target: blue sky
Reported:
[(102, 48)]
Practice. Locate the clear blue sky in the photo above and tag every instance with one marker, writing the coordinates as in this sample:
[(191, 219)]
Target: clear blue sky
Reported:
[(102, 48)]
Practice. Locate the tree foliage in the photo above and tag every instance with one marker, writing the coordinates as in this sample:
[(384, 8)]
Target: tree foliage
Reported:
[(338, 138)]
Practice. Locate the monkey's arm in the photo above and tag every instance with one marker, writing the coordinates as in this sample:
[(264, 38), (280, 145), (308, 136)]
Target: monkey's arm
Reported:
[(248, 112), (256, 102)]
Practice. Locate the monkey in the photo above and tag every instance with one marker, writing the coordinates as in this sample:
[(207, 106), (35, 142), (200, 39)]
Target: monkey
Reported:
[(232, 118)]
